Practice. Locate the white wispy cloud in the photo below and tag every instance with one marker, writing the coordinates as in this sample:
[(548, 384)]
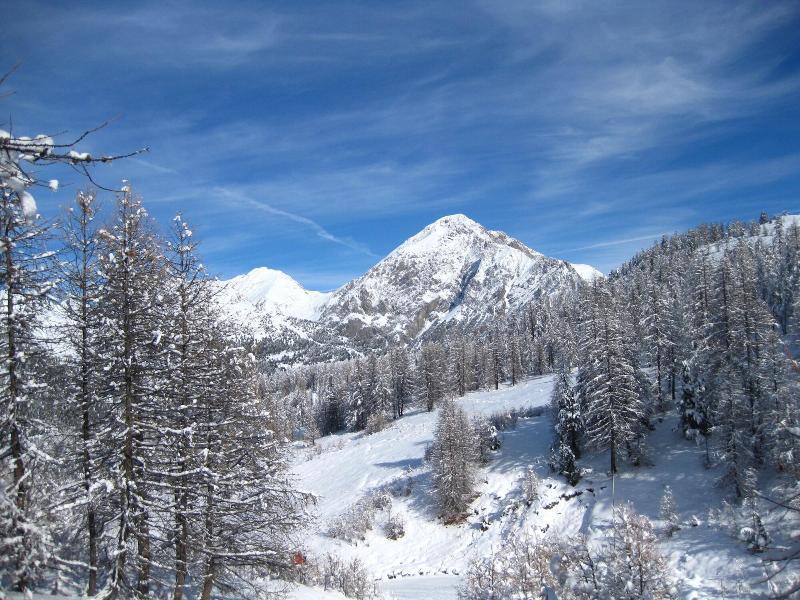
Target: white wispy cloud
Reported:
[(618, 242), (571, 110), (318, 229)]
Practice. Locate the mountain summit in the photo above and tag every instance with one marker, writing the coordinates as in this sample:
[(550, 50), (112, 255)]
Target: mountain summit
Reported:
[(453, 273)]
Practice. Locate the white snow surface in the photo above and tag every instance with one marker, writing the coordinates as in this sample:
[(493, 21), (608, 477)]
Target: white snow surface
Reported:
[(276, 292), (430, 559), (587, 272)]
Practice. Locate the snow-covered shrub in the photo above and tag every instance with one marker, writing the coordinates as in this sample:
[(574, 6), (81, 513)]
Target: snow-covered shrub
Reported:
[(358, 518), (376, 423), (353, 524), (537, 568), (668, 513), (726, 518), (530, 486), (754, 534), (350, 578), (505, 420), (628, 567), (395, 527), (520, 570), (380, 500), (486, 436), (637, 569)]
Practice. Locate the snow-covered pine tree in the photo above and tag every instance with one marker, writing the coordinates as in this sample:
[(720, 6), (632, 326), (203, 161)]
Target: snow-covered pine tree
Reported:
[(132, 267), (249, 512), (658, 334), (453, 457), (190, 377), (566, 415), (431, 370), (497, 352), (531, 486), (365, 391), (331, 410), (514, 353), (566, 411), (401, 377), (80, 291), (693, 408), (457, 364), (613, 410), (25, 285), (668, 512)]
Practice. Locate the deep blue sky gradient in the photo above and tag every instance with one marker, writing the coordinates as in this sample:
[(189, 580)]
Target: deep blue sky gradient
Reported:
[(315, 137)]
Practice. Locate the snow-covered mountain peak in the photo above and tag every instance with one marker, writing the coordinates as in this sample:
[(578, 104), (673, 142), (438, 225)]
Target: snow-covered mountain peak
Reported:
[(454, 272), (456, 234), (276, 292), (587, 272)]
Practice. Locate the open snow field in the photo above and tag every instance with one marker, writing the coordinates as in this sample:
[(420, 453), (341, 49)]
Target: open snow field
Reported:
[(428, 561)]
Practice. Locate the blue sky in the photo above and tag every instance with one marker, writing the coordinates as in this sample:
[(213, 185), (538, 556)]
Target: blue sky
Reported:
[(315, 137)]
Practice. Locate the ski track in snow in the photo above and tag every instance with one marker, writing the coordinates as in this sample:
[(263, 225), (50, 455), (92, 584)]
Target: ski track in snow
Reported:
[(430, 559)]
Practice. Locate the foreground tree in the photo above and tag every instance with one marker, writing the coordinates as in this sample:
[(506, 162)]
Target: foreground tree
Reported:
[(133, 269), (24, 277), (249, 509), (80, 290)]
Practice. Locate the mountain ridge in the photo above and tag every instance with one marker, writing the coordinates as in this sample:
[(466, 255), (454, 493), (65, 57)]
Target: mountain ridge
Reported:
[(453, 273)]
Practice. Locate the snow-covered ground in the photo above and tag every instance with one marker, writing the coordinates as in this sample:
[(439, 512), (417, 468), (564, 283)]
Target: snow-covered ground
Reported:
[(429, 560)]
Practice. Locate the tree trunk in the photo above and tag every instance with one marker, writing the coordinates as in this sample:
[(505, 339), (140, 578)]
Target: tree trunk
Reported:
[(91, 519), (181, 543)]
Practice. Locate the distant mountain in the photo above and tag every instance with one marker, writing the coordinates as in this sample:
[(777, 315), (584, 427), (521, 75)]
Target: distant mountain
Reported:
[(587, 272), (276, 292), (454, 273)]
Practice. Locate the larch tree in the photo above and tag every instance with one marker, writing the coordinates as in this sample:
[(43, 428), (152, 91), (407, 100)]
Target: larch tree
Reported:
[(610, 388), (80, 291), (26, 287), (453, 458), (132, 268)]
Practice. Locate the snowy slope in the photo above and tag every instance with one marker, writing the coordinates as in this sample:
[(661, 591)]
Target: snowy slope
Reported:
[(429, 560), (765, 235), (587, 272)]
